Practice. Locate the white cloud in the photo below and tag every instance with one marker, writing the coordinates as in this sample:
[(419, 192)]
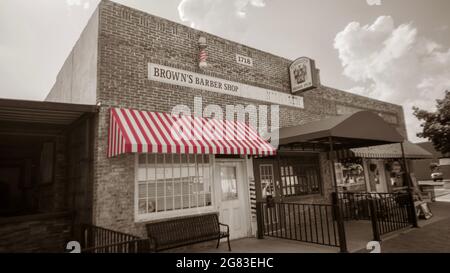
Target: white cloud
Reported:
[(211, 15), (396, 64), (373, 2)]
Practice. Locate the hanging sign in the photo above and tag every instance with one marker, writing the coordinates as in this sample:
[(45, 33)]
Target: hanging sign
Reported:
[(303, 75)]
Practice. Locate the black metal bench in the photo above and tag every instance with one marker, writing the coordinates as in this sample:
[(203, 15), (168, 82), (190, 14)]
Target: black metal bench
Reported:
[(187, 231)]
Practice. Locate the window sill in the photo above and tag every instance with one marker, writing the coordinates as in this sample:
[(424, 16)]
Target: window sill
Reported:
[(148, 218)]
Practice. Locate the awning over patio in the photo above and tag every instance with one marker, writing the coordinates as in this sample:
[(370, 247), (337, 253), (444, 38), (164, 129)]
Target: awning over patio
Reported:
[(19, 117), (133, 131), (412, 151), (361, 129)]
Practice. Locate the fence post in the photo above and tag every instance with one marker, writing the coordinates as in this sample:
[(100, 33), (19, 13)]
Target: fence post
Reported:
[(374, 218), (340, 223), (259, 221), (412, 211)]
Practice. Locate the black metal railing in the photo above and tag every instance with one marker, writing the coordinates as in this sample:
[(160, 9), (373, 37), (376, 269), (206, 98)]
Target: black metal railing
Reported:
[(134, 246), (388, 211), (95, 239), (311, 223), (394, 211), (354, 206)]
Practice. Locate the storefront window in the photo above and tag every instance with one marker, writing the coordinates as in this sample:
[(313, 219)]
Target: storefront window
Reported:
[(300, 176), (173, 183), (350, 173)]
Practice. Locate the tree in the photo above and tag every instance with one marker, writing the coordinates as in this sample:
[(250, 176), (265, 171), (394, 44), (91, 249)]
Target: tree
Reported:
[(436, 125)]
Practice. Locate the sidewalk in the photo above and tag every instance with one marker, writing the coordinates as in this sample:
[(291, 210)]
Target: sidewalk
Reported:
[(433, 236)]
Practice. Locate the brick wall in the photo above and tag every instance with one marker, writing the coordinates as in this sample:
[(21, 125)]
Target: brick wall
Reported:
[(129, 40)]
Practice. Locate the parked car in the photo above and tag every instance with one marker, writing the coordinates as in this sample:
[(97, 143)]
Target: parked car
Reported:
[(437, 176)]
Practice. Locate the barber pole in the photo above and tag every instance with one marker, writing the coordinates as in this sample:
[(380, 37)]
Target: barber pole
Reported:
[(203, 56)]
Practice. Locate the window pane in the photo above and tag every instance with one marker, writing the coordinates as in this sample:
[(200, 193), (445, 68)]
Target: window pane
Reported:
[(193, 201), (160, 189), (142, 173), (142, 206), (185, 201), (160, 173), (200, 186), (142, 190), (169, 203), (169, 189), (177, 189), (208, 199), (178, 202), (151, 205), (160, 204), (229, 183), (151, 189)]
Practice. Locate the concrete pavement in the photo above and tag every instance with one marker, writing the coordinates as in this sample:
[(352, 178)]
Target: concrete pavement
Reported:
[(433, 238)]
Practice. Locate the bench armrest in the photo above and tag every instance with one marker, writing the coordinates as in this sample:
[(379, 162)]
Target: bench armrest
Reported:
[(227, 226)]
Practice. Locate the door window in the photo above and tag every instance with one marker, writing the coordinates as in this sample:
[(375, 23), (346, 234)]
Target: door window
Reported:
[(228, 179), (267, 181)]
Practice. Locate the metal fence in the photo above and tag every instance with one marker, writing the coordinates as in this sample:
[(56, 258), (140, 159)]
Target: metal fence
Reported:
[(95, 239), (134, 246), (388, 211), (393, 211), (354, 206), (311, 223)]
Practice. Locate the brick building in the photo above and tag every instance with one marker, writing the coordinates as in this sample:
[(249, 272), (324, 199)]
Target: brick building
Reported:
[(109, 66), (117, 65)]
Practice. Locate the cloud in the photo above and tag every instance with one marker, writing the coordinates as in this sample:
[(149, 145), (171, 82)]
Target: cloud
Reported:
[(373, 2), (213, 15), (395, 64)]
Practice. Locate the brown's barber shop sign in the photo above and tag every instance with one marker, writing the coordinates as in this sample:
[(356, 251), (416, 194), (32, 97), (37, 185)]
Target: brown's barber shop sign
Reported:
[(303, 75)]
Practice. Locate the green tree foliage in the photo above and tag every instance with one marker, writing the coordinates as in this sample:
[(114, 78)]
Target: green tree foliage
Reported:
[(436, 125)]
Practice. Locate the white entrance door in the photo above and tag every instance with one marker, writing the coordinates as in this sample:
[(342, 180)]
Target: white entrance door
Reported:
[(233, 196)]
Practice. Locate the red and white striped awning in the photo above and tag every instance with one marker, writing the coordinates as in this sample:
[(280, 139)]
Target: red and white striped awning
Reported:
[(133, 131)]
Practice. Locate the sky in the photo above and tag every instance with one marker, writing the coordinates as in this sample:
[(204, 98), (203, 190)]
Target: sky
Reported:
[(393, 50)]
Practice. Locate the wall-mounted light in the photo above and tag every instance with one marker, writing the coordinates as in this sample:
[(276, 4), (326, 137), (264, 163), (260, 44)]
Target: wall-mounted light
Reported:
[(203, 56)]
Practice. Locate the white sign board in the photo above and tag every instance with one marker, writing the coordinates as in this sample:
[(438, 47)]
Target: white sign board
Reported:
[(185, 78), (240, 59), (303, 75)]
